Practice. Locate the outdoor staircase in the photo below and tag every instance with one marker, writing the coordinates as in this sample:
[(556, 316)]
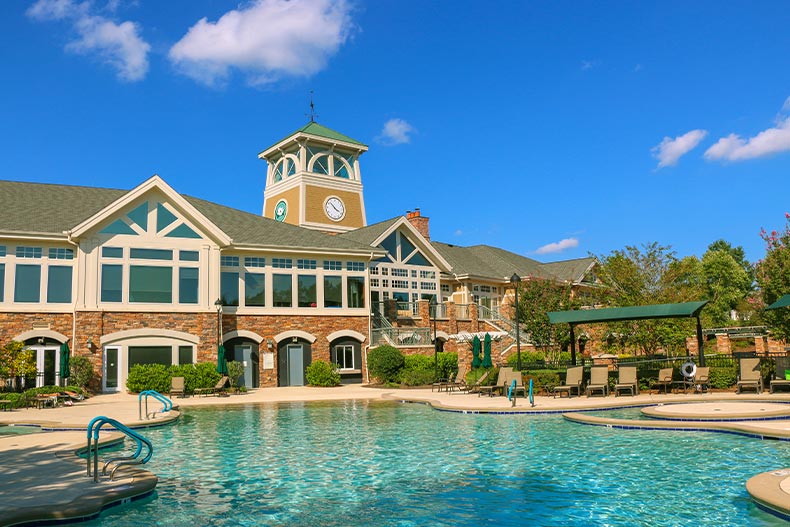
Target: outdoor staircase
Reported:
[(495, 319)]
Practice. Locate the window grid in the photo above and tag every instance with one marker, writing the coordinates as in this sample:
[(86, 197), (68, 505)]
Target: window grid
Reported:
[(355, 266), (229, 261), (374, 282), (374, 270), (414, 273), (333, 265), (400, 272), (305, 264), (428, 286), (254, 261), (400, 284), (428, 275), (445, 288), (28, 252), (282, 263)]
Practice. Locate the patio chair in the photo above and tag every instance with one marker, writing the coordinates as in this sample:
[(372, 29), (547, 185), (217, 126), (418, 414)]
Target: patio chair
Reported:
[(664, 379), (627, 381), (599, 381), (700, 382), (781, 374), (475, 386), (504, 372), (218, 389), (750, 375), (177, 387), (573, 381), (460, 380), (518, 388)]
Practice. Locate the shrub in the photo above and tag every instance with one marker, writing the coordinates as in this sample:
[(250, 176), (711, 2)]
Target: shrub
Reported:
[(81, 370), (385, 363), (541, 378), (448, 364), (321, 373), (475, 374), (149, 377), (201, 375), (723, 377), (235, 371), (418, 370), (527, 358)]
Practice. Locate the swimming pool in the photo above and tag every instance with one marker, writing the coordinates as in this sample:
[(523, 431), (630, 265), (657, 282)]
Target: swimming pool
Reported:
[(390, 464)]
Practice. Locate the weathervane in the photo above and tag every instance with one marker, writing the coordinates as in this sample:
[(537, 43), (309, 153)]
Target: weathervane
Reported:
[(312, 108)]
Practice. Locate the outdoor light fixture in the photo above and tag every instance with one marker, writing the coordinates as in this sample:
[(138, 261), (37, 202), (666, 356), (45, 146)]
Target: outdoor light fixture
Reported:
[(269, 343), (218, 305), (516, 280), (90, 344)]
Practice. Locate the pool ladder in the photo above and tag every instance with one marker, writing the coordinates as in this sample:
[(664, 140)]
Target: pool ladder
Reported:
[(167, 404), (93, 448)]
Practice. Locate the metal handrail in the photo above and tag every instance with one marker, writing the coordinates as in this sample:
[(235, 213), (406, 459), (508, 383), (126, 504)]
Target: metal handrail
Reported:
[(167, 404), (94, 427)]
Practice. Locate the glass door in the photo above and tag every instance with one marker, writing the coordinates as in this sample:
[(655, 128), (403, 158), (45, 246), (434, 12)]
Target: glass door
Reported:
[(112, 364), (47, 366)]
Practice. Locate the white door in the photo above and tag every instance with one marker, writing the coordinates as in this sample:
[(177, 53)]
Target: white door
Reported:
[(111, 361), (47, 365)]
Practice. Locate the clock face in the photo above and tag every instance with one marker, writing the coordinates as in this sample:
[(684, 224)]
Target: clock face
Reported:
[(280, 210), (335, 209)]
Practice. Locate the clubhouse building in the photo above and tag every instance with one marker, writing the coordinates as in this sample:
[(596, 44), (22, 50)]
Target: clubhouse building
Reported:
[(149, 275)]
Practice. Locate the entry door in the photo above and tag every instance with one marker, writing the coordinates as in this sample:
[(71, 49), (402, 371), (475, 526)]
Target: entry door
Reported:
[(295, 354), (47, 366), (112, 366), (245, 352)]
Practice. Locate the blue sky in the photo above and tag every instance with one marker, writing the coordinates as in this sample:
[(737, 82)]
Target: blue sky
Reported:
[(552, 129)]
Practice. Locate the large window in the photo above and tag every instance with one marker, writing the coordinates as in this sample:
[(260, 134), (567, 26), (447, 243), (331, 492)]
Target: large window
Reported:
[(150, 284), (356, 291), (188, 283), (343, 356), (254, 289), (27, 285), (307, 291), (333, 291), (59, 284), (229, 288), (111, 283), (150, 355), (282, 290)]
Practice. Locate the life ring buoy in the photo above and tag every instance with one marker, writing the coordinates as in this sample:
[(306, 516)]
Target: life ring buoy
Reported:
[(689, 369)]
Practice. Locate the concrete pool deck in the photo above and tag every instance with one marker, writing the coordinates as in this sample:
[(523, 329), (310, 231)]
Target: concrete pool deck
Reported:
[(46, 482)]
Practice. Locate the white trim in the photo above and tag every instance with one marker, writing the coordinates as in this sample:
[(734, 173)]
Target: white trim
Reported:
[(356, 335), (154, 182), (442, 335), (45, 333), (242, 333), (148, 333), (420, 240), (294, 333)]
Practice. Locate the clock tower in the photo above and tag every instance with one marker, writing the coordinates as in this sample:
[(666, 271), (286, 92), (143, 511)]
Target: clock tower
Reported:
[(313, 180)]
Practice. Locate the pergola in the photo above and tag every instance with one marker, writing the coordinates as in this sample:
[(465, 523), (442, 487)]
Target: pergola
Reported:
[(620, 314)]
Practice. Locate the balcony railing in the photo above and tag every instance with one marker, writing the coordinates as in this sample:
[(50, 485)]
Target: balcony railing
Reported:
[(401, 336)]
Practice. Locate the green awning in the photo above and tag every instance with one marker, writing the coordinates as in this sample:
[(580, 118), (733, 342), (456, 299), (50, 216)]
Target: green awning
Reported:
[(782, 302), (615, 314)]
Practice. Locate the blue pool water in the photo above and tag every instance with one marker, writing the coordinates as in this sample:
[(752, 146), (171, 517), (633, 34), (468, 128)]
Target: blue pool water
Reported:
[(389, 464)]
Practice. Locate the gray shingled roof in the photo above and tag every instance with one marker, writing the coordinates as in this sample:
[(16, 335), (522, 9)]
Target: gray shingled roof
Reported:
[(369, 234), (20, 212), (572, 270)]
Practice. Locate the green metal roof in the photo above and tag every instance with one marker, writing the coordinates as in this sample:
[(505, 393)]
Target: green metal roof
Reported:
[(781, 302), (313, 128), (615, 314)]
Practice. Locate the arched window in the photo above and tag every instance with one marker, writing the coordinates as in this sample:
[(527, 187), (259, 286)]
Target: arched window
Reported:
[(277, 171)]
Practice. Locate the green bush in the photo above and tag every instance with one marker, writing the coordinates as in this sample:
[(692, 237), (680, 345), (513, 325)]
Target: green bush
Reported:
[(235, 371), (418, 370), (321, 373), (541, 378), (723, 377), (81, 370), (201, 375), (527, 358), (448, 364), (385, 363), (32, 392), (149, 377), (475, 374)]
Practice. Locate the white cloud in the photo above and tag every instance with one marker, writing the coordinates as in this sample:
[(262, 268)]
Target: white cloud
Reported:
[(396, 132), (669, 151), (266, 39), (735, 148), (556, 247), (119, 45)]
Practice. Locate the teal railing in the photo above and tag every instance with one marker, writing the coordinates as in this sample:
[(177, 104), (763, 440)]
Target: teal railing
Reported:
[(141, 443), (167, 404)]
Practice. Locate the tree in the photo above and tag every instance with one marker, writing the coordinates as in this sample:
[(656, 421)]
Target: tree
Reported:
[(773, 277), (536, 297), (728, 283), (648, 275), (16, 361)]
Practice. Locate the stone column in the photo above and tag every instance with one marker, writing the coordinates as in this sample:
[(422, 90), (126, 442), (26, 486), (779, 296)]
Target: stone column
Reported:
[(424, 311), (723, 343)]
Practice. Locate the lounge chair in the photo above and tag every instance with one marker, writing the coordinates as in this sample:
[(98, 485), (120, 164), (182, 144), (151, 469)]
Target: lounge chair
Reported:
[(700, 382), (780, 373), (218, 389), (573, 381), (664, 379), (475, 386), (177, 387), (627, 381), (599, 381), (459, 382), (750, 375), (518, 388), (504, 373)]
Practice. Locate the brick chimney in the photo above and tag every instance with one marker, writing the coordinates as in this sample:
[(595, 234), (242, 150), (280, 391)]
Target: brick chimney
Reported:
[(419, 222)]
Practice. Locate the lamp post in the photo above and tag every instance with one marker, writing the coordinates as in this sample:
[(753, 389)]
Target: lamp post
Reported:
[(218, 306), (435, 342), (516, 280)]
